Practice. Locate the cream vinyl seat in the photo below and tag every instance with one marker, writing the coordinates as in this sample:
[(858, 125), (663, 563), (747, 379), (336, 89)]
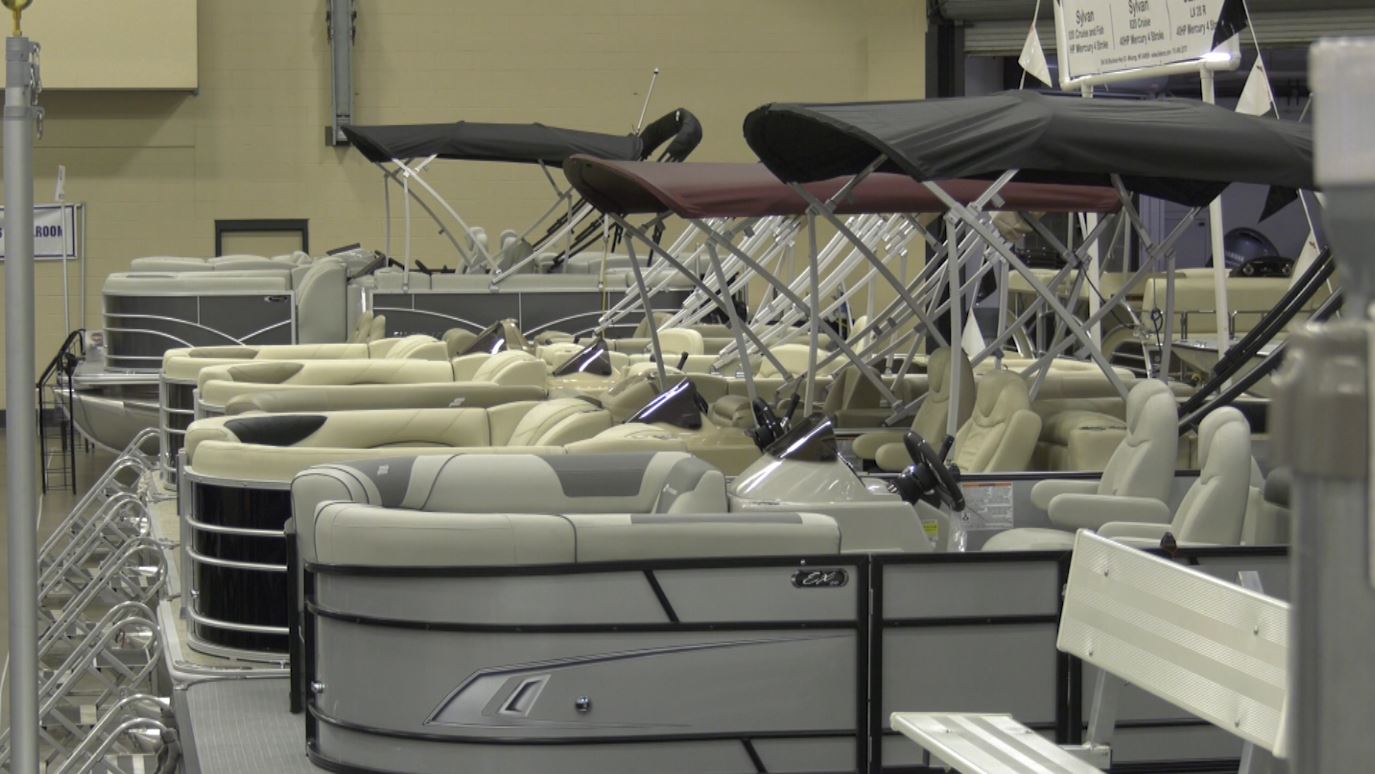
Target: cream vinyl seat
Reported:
[(220, 384), (258, 447), (1138, 475), (186, 363), (523, 509), (1001, 432), (1214, 510), (930, 423)]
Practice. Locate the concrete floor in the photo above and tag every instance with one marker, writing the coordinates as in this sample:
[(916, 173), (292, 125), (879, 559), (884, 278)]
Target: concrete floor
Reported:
[(55, 505)]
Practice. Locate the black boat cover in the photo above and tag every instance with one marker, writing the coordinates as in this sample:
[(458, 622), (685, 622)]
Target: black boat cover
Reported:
[(1181, 150), (520, 143)]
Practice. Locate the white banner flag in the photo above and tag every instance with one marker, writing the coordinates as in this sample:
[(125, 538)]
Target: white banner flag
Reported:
[(1033, 58), (1306, 257), (1256, 99)]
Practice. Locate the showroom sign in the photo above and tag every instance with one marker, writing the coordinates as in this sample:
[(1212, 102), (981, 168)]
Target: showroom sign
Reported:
[(54, 231), (1100, 37)]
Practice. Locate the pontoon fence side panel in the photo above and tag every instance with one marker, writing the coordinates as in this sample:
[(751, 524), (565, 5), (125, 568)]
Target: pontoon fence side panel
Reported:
[(139, 329), (645, 666), (576, 312)]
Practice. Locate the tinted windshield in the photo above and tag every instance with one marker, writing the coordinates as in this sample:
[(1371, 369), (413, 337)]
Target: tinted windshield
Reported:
[(811, 440), (492, 340), (680, 406), (593, 359)]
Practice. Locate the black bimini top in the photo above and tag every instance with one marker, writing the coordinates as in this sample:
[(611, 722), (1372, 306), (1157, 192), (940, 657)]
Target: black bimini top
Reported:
[(1180, 150), (710, 190), (521, 143)]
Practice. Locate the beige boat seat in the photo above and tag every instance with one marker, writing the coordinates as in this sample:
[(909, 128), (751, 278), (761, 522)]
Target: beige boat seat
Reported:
[(675, 342), (219, 384), (370, 327), (931, 421), (1248, 299), (1077, 440), (1002, 430), (1213, 511), (186, 363), (527, 509), (1140, 468), (275, 446)]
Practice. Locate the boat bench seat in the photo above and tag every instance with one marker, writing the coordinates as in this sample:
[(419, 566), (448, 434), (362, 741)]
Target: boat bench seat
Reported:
[(1138, 618), (527, 509), (220, 384), (187, 362), (274, 446), (1078, 440)]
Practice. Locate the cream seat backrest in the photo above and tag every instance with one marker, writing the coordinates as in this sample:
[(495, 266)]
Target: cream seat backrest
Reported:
[(418, 347), (851, 389), (1001, 433), (330, 372), (512, 367), (362, 329), (657, 482), (547, 423), (675, 341), (321, 314), (932, 417), (1214, 509), (1143, 463)]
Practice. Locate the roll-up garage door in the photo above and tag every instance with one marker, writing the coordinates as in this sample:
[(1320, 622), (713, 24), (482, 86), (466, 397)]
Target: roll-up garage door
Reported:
[(998, 27)]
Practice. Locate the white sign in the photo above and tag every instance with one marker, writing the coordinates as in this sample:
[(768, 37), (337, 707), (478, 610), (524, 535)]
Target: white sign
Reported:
[(54, 232), (1098, 37)]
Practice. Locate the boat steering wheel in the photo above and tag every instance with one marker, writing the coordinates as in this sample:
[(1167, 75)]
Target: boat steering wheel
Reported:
[(928, 478)]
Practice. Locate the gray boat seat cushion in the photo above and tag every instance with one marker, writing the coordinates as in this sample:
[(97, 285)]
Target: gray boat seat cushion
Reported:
[(660, 482), (342, 533)]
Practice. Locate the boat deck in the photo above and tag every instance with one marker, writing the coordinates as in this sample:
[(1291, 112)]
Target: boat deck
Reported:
[(241, 726)]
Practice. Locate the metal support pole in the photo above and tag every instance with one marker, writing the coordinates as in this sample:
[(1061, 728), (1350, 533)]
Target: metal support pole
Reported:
[(340, 18), (814, 325), (1215, 226), (1323, 407), (21, 432)]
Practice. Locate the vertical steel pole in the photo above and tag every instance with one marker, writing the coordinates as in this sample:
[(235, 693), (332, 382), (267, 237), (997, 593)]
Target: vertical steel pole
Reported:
[(1215, 231), (20, 429), (1323, 404)]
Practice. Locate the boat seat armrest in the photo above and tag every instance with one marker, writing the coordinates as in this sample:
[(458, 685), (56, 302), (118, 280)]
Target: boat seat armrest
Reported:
[(1085, 511), (1045, 491), (866, 446)]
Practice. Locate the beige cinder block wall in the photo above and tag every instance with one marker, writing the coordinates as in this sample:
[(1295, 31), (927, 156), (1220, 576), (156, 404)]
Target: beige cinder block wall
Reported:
[(157, 169)]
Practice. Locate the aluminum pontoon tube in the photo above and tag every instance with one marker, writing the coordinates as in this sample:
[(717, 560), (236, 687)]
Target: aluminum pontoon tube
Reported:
[(21, 432)]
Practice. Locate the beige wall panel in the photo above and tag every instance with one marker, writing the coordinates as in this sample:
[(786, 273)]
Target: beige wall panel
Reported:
[(156, 169), (115, 44)]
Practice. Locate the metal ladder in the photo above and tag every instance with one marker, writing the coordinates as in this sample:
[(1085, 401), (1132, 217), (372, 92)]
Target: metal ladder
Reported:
[(56, 430), (101, 575)]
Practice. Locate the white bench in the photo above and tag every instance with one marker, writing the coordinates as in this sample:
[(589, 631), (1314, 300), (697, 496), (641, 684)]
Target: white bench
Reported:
[(1211, 648)]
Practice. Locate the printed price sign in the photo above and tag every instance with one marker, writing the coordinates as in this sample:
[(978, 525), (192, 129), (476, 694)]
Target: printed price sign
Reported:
[(1098, 37)]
